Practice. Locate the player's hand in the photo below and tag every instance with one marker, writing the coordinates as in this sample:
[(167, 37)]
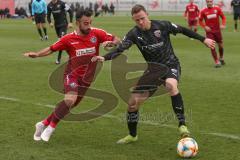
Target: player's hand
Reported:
[(222, 26), (207, 29), (209, 43), (186, 18), (108, 44), (51, 25), (31, 54), (196, 18), (98, 59), (70, 25)]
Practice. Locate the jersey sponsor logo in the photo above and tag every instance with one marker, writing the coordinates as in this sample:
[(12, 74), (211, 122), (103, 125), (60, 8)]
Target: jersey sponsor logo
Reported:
[(93, 39), (192, 10), (152, 46), (211, 16), (56, 11), (157, 33), (85, 51)]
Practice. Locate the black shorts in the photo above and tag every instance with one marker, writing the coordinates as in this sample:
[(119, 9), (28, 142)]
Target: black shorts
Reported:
[(155, 76), (40, 18), (236, 16), (61, 31)]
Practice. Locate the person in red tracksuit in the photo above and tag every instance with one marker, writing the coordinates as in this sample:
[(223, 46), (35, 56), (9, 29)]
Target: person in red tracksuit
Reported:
[(191, 14), (211, 15)]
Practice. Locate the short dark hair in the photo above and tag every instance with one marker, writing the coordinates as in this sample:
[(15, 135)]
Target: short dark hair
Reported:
[(81, 13), (137, 8)]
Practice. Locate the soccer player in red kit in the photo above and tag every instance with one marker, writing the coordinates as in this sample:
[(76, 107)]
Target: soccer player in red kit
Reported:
[(212, 26), (81, 45), (191, 14)]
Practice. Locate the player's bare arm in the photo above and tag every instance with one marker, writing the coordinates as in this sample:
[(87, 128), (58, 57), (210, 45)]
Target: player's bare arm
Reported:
[(42, 53)]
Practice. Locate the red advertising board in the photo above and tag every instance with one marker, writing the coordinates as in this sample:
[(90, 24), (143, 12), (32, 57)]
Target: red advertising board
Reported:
[(7, 4)]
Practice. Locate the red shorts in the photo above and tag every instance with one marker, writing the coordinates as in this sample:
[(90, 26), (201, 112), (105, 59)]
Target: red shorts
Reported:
[(192, 22), (75, 84), (217, 36)]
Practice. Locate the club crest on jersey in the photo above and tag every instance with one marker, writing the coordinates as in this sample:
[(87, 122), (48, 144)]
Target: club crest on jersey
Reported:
[(73, 85), (215, 11), (157, 33), (58, 6), (93, 39)]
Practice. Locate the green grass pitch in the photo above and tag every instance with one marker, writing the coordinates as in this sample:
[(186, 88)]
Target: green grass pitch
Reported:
[(211, 98)]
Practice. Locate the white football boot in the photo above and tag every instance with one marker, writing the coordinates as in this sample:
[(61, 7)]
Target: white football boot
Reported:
[(46, 134), (39, 129)]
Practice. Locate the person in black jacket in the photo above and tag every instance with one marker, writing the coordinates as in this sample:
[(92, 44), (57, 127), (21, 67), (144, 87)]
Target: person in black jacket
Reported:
[(235, 4), (152, 38), (58, 9)]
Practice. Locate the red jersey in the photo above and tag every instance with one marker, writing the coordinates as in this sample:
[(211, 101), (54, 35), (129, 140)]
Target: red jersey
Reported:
[(81, 49), (211, 18), (191, 11)]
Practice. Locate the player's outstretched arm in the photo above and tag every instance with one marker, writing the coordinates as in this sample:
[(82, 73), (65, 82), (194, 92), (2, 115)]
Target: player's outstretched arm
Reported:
[(44, 52), (190, 33), (208, 42), (125, 44), (109, 56)]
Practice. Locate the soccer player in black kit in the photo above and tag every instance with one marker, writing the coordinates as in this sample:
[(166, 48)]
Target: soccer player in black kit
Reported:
[(235, 4), (152, 38), (58, 9)]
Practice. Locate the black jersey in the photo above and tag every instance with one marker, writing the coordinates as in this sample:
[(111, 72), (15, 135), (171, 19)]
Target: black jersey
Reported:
[(154, 44), (59, 10), (236, 6)]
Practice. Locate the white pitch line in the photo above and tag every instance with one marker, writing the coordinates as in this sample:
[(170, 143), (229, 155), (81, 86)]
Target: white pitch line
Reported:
[(223, 135), (45, 105), (9, 99)]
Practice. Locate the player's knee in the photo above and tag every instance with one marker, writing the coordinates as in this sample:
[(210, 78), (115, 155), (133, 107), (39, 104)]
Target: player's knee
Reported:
[(132, 105), (70, 100), (135, 102), (133, 108), (173, 90), (171, 86)]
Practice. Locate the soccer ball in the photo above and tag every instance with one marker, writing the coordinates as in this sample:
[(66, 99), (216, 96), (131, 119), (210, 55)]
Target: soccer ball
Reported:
[(187, 148)]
